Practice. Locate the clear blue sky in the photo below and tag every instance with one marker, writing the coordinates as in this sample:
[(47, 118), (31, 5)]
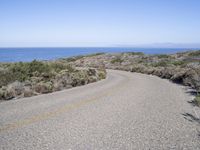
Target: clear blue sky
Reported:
[(98, 22)]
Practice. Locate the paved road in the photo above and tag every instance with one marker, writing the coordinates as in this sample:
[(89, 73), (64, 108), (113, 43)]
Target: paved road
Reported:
[(124, 111)]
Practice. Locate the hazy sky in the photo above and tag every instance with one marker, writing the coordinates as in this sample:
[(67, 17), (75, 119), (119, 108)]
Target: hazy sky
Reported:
[(98, 22)]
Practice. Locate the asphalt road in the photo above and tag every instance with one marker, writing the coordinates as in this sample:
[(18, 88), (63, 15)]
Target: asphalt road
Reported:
[(124, 111)]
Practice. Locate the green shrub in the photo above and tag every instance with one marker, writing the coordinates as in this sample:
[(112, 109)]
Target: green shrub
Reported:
[(116, 60), (160, 64), (162, 56), (178, 63), (72, 59), (197, 100), (135, 53), (22, 71), (95, 54), (58, 66), (194, 53), (6, 77), (101, 75)]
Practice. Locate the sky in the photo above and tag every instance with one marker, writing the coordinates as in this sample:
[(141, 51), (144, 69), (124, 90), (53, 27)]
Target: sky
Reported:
[(95, 23)]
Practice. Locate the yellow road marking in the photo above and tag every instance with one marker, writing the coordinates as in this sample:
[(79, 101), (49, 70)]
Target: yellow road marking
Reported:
[(56, 112)]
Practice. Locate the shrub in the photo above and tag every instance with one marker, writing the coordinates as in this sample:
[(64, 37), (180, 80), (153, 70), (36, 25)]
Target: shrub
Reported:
[(43, 87), (197, 100), (101, 75), (194, 53), (135, 53), (178, 63), (6, 76), (160, 64), (72, 59), (116, 60), (163, 56), (23, 71), (95, 54), (58, 66)]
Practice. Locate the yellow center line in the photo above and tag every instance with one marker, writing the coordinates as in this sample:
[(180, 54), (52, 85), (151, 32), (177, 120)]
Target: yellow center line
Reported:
[(65, 108)]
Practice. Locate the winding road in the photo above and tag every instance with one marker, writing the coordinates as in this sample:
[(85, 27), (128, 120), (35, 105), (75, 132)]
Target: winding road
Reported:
[(124, 111)]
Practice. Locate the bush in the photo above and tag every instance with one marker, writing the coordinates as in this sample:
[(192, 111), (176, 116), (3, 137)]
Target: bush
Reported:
[(116, 60), (163, 56), (160, 64), (197, 100), (23, 71), (58, 66), (43, 87), (194, 54), (95, 54), (101, 75), (135, 53), (6, 76), (178, 63), (24, 79)]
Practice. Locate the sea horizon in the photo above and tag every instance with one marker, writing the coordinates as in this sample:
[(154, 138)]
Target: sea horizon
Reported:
[(27, 54)]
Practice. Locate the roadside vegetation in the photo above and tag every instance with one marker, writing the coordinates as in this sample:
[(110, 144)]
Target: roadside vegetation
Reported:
[(182, 67), (197, 100), (24, 79), (36, 77)]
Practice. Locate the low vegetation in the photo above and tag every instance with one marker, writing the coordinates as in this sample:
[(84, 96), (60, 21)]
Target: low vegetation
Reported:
[(24, 79), (195, 54), (197, 100), (36, 77), (182, 68), (116, 60)]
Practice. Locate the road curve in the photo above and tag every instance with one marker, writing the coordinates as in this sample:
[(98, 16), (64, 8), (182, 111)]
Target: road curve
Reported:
[(124, 111)]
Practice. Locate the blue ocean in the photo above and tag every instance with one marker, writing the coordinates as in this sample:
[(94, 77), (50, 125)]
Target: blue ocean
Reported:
[(29, 54)]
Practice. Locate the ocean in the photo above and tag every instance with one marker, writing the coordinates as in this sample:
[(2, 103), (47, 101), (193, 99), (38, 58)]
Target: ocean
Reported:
[(29, 54)]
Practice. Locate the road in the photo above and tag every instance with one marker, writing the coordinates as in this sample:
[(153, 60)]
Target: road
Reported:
[(125, 111)]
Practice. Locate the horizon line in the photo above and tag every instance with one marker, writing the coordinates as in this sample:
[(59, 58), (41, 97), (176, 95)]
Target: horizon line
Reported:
[(145, 47)]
